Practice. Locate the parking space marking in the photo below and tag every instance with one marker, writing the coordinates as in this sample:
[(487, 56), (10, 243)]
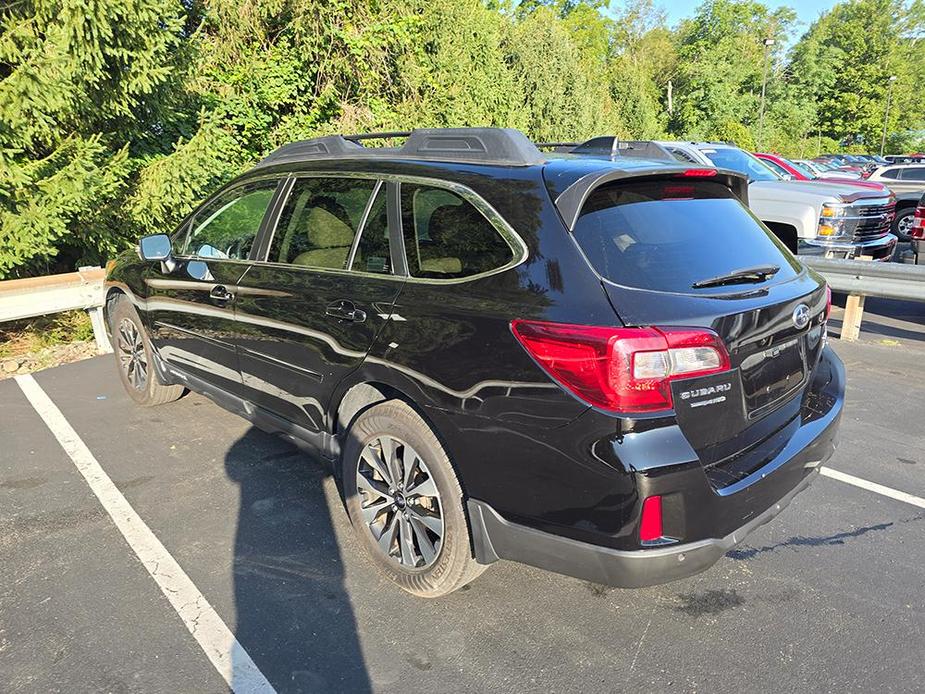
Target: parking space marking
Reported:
[(873, 487), (210, 631)]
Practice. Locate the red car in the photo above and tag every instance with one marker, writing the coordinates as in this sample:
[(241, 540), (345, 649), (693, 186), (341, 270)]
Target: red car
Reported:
[(797, 173)]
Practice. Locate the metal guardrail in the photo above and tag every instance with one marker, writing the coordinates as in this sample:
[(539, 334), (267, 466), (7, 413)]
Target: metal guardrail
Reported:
[(862, 278), (39, 296)]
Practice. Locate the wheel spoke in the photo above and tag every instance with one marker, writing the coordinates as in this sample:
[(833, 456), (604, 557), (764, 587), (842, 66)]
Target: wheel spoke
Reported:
[(373, 459), (390, 456), (406, 541), (425, 488), (431, 522), (374, 487), (410, 459), (388, 535), (371, 511), (428, 550)]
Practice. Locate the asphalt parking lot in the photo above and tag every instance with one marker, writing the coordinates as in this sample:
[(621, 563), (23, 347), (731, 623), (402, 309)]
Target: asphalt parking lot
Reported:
[(828, 597)]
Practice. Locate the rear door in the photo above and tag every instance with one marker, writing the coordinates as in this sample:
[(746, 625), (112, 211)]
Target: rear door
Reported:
[(311, 310), (657, 243), (190, 306)]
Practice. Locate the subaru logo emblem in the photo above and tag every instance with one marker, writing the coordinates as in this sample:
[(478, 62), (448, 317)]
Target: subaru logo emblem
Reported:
[(801, 316)]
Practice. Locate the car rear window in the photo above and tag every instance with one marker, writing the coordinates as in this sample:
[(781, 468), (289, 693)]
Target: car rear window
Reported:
[(667, 234)]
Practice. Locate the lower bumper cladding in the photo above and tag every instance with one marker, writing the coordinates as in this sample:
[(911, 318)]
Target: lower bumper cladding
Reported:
[(497, 538)]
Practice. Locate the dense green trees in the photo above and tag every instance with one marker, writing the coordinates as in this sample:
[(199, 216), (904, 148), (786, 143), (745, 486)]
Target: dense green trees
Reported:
[(116, 116)]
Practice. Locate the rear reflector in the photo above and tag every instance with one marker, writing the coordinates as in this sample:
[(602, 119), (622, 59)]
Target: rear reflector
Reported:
[(625, 370), (650, 528)]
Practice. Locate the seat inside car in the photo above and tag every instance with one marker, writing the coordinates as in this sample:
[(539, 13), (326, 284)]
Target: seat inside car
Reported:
[(319, 235)]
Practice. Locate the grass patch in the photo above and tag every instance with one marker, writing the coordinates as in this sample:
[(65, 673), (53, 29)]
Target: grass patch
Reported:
[(19, 338)]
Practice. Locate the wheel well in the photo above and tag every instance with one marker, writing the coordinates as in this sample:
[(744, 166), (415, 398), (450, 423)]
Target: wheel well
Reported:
[(112, 296), (786, 233)]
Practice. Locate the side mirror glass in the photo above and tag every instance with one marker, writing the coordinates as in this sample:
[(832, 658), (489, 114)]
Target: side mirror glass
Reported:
[(155, 247), (199, 270)]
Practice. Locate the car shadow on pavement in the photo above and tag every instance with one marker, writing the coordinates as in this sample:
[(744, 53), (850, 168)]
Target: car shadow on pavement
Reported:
[(294, 615)]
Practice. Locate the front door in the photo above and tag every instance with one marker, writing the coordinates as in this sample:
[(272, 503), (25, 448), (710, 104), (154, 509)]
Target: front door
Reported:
[(190, 306), (309, 314)]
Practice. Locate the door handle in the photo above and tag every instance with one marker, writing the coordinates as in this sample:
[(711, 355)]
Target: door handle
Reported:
[(345, 310), (220, 294)]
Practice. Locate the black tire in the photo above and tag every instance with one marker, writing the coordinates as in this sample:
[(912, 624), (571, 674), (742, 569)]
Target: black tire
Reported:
[(452, 566), (903, 218), (135, 360)]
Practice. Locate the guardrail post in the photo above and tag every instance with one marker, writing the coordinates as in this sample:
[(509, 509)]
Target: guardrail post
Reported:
[(99, 330), (854, 314)]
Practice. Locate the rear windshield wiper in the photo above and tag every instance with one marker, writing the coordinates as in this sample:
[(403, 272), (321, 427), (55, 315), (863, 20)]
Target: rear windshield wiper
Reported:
[(759, 273)]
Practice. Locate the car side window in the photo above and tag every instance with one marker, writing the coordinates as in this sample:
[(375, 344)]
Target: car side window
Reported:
[(915, 174), (226, 227), (446, 237), (319, 221), (373, 252), (890, 173)]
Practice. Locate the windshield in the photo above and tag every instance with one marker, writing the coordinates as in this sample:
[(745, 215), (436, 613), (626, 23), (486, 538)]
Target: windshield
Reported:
[(667, 235), (802, 169), (741, 161)]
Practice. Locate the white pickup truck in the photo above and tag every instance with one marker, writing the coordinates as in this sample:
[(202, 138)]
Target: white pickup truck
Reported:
[(842, 220)]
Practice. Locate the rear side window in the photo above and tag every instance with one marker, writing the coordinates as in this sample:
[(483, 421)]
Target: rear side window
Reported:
[(318, 222), (915, 174), (446, 237), (890, 173), (668, 234)]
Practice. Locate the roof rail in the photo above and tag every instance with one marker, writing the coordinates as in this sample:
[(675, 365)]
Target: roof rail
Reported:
[(498, 146)]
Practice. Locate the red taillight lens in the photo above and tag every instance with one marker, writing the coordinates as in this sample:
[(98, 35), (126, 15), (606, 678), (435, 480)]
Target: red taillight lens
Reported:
[(918, 224), (627, 370), (650, 528)]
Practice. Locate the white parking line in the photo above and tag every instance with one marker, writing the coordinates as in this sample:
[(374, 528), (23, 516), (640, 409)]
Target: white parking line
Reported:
[(873, 487), (213, 635)]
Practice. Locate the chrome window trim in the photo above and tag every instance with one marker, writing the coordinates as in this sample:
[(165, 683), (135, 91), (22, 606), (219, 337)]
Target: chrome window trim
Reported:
[(518, 247), (351, 256)]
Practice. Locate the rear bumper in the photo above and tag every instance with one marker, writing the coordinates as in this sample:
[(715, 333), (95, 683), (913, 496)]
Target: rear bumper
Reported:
[(613, 567), (755, 501)]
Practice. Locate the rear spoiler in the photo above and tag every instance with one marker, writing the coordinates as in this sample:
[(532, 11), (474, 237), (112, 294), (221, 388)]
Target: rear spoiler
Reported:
[(572, 199)]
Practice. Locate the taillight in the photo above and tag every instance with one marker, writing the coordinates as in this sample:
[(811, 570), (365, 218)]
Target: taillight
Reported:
[(828, 302), (650, 527), (918, 224), (627, 370)]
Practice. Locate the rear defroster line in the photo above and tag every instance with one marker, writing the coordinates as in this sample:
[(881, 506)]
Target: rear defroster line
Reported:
[(224, 651)]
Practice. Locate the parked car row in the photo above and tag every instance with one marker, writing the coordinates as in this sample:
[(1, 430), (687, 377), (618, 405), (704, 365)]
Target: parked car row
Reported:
[(841, 218)]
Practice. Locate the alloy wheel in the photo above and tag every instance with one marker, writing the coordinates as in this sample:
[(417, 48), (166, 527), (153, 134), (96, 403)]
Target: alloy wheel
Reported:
[(904, 226), (399, 502), (132, 355)]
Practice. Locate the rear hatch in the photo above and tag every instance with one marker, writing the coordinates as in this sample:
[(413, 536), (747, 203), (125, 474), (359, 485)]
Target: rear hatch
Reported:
[(676, 251)]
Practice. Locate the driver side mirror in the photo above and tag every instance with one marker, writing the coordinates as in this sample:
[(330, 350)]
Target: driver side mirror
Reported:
[(156, 247)]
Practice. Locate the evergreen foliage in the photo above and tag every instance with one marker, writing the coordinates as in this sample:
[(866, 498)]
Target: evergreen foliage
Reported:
[(117, 116)]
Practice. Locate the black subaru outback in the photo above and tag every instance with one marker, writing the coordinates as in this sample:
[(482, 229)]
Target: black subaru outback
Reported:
[(608, 369)]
